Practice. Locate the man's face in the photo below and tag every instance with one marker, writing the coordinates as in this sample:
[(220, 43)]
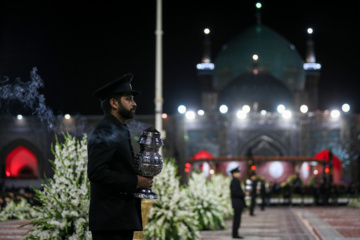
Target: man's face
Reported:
[(127, 106), (237, 175)]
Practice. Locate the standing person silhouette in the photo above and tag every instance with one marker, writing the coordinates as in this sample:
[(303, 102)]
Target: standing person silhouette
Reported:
[(253, 193), (237, 201), (114, 211)]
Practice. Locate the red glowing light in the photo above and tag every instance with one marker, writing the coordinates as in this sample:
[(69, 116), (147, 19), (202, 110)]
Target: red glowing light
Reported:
[(187, 170), (21, 162), (327, 170), (253, 167), (188, 165), (308, 167)]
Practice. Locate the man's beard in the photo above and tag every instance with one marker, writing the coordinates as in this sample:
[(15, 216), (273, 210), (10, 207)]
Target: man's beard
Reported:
[(126, 114)]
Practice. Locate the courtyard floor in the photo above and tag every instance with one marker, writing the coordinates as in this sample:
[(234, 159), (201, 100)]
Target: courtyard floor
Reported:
[(274, 223)]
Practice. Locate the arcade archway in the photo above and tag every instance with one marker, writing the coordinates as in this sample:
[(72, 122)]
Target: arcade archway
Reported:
[(21, 163), (20, 160)]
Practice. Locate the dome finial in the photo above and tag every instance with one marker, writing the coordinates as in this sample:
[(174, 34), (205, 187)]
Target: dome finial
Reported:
[(258, 6)]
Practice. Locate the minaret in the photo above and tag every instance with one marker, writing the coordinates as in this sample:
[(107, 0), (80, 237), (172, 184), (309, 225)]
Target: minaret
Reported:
[(205, 73), (310, 52), (258, 13), (312, 70)]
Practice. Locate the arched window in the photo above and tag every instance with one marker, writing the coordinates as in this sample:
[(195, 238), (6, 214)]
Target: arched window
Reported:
[(21, 163)]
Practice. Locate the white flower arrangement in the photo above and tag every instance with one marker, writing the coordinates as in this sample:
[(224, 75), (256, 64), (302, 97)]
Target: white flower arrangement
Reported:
[(21, 211), (65, 199), (219, 185), (171, 216), (206, 204)]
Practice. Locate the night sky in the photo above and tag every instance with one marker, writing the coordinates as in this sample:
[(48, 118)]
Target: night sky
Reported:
[(78, 46)]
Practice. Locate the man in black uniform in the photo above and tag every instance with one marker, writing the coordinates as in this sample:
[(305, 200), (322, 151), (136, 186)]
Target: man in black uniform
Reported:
[(253, 193), (114, 212), (237, 201)]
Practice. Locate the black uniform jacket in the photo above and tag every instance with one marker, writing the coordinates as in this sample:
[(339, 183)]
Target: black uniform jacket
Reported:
[(253, 192), (112, 178), (237, 194)]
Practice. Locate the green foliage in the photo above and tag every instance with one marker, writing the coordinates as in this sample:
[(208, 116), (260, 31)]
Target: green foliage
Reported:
[(206, 203), (65, 199), (354, 203), (21, 211), (171, 216)]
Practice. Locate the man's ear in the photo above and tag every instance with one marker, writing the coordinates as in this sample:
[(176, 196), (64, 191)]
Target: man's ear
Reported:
[(114, 103)]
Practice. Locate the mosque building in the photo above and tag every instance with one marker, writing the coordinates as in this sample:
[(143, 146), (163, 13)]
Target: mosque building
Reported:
[(269, 121), (259, 112)]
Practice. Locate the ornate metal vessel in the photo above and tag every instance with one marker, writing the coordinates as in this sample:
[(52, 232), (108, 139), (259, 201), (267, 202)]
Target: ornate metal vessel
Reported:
[(148, 162)]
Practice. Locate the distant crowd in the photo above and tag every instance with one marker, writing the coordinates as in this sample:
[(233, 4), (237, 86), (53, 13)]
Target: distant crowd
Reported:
[(16, 194), (325, 193)]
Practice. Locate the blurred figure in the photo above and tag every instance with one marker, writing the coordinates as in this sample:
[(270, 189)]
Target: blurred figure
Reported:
[(334, 194), (263, 195), (2, 203), (253, 193), (268, 195), (275, 188), (316, 194), (287, 194), (297, 184), (237, 201), (7, 199), (324, 192)]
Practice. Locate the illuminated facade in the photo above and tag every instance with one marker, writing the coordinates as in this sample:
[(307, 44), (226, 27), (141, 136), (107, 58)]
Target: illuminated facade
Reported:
[(260, 111), (240, 122)]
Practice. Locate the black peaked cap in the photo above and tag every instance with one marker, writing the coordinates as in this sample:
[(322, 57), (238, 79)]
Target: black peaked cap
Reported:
[(235, 170), (121, 84)]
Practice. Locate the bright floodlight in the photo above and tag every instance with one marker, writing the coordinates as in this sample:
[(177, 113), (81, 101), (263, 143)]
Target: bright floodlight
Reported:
[(190, 115), (280, 108), (19, 117), (201, 112), (164, 116), (67, 116), (304, 108), (286, 114), (182, 109), (206, 31), (223, 109), (263, 112), (310, 30), (246, 108), (241, 114), (258, 5), (345, 107), (335, 113), (255, 57)]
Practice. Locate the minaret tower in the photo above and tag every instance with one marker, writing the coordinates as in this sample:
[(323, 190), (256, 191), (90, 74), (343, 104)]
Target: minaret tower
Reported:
[(205, 73), (258, 6), (312, 69)]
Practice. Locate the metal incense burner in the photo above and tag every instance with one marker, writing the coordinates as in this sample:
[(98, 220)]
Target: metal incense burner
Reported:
[(148, 162)]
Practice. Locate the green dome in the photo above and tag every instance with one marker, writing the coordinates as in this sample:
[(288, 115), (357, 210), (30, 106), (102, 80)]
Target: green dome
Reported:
[(276, 56), (261, 88)]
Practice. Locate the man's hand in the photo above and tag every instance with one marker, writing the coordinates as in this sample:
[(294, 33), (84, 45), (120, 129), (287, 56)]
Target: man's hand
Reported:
[(144, 182)]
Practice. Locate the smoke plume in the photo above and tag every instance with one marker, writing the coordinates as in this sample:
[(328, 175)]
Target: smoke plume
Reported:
[(19, 97)]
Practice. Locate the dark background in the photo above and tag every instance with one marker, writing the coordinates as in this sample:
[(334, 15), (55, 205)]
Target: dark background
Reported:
[(79, 46)]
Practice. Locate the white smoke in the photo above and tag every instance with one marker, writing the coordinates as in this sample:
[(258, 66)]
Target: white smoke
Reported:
[(25, 97)]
